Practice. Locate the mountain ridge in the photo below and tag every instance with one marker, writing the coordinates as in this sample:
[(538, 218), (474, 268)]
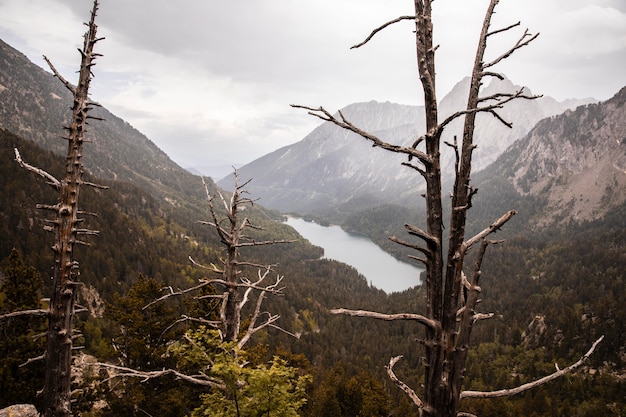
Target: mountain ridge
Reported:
[(35, 105), (331, 171)]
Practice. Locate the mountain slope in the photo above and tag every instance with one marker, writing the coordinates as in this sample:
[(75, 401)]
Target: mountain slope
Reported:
[(332, 172), (35, 105), (573, 163)]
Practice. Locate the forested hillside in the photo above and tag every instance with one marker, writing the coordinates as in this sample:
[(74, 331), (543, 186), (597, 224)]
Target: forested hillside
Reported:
[(576, 286), (553, 290)]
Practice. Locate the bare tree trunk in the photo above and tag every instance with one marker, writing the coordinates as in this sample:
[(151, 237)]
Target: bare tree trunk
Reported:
[(58, 355), (233, 238), (450, 296)]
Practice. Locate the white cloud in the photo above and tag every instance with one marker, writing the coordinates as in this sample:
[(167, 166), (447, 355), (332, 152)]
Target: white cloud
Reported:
[(215, 78)]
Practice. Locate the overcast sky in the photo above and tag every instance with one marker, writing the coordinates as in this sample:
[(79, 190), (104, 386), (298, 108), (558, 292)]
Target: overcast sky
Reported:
[(211, 81)]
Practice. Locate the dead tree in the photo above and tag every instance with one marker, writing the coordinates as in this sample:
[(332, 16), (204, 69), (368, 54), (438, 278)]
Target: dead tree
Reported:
[(236, 288), (451, 295), (67, 230)]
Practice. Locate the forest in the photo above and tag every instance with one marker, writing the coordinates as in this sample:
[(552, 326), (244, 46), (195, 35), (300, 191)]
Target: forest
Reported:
[(575, 284), (177, 314)]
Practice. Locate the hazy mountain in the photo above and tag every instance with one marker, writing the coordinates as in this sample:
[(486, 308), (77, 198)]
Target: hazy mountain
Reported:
[(35, 105), (332, 172), (571, 277)]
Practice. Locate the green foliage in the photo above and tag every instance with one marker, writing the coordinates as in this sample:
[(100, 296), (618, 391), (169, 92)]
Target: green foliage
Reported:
[(275, 390), (143, 334), (262, 389), (20, 339), (141, 339), (340, 395)]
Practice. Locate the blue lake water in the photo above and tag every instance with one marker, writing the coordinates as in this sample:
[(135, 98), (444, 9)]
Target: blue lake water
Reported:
[(381, 270)]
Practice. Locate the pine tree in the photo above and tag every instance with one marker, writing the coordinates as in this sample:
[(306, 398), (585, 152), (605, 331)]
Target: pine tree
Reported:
[(20, 287)]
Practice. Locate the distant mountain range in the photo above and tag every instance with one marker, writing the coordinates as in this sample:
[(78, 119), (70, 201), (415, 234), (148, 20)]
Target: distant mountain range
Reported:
[(569, 155), (333, 173)]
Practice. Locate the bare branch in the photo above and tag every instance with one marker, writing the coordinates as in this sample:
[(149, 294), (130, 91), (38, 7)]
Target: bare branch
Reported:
[(32, 360), (482, 316), (56, 73), (410, 245), (519, 44), (486, 232), (323, 114), (212, 268), (418, 169), (98, 186), (172, 293), (497, 116), (404, 387), (525, 387), (427, 237), (432, 324), (494, 32), (500, 100), (37, 312), (52, 181), (378, 29), (200, 379), (264, 242), (223, 234), (492, 74)]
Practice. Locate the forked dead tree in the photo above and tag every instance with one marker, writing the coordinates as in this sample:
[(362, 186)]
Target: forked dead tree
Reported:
[(237, 289), (452, 288), (66, 228)]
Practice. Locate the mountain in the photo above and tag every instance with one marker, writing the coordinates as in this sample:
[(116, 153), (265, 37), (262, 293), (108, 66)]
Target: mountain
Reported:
[(573, 277), (569, 169), (333, 172), (574, 163), (35, 105)]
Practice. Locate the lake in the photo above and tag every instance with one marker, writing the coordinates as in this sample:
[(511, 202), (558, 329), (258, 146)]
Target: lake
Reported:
[(381, 270)]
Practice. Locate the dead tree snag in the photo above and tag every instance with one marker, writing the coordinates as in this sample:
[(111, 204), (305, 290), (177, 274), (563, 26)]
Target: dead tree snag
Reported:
[(58, 354), (451, 295)]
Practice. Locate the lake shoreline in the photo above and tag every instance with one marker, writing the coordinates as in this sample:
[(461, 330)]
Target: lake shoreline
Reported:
[(381, 270)]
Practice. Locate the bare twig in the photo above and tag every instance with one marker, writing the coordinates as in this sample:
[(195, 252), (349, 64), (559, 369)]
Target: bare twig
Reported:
[(404, 387), (519, 44), (525, 387), (493, 227), (432, 324), (500, 100), (124, 372), (40, 312), (323, 114), (32, 360), (52, 181), (383, 26)]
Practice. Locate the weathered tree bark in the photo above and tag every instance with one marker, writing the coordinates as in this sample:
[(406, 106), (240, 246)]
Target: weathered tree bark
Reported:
[(65, 280), (234, 237), (450, 296), (238, 289), (58, 356)]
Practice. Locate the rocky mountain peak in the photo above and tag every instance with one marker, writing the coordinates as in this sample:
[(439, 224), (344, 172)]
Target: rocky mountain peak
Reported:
[(332, 170), (577, 159)]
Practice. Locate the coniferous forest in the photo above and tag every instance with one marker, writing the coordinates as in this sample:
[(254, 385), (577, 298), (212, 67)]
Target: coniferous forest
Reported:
[(146, 344), (571, 281)]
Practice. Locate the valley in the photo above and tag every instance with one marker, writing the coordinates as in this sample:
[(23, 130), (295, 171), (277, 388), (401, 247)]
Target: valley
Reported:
[(563, 262)]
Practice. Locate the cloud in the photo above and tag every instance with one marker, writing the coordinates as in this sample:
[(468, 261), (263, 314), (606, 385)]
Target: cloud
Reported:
[(215, 78)]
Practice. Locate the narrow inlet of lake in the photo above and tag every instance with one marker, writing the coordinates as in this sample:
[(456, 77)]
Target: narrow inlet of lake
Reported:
[(381, 270)]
